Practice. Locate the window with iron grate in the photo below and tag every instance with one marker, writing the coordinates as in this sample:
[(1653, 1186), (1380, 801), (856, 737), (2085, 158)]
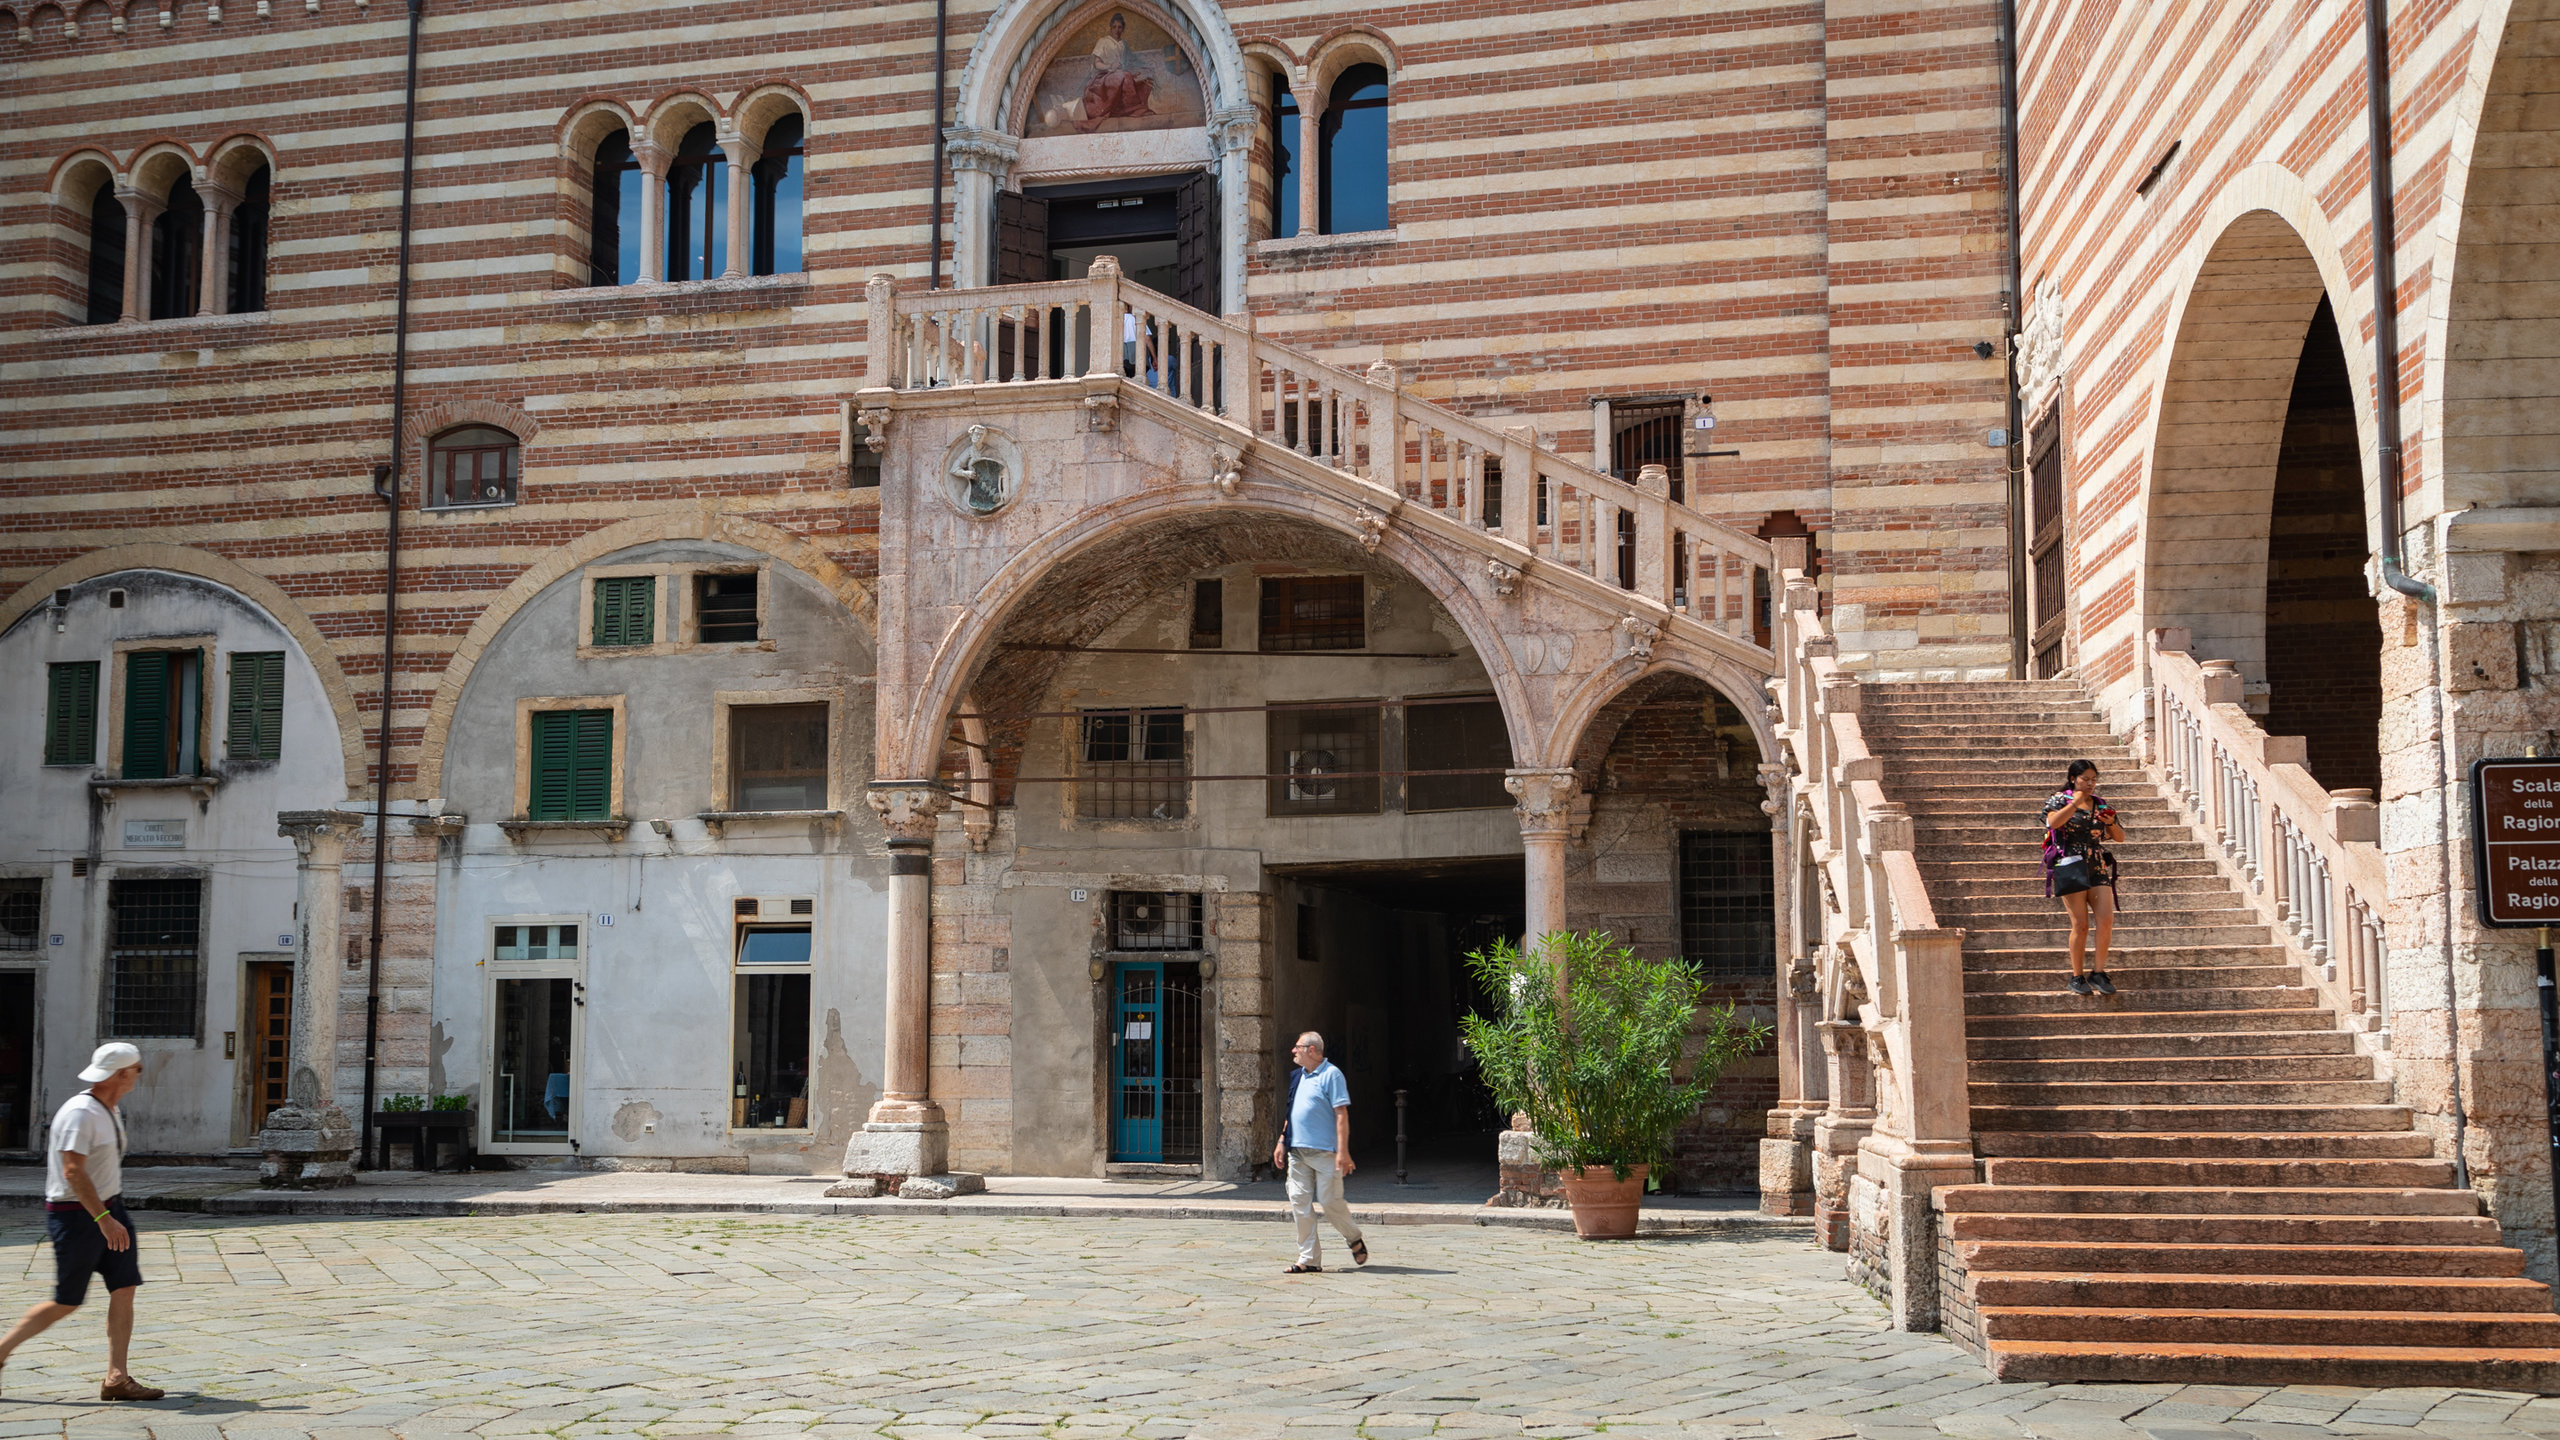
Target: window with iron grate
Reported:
[(1131, 766), (1465, 735), (153, 955), (1323, 761), (1155, 920), (21, 913), (1728, 903), (1314, 612)]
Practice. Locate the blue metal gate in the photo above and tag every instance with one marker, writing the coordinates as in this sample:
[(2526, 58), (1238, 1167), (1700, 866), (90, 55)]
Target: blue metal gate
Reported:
[(1155, 1063)]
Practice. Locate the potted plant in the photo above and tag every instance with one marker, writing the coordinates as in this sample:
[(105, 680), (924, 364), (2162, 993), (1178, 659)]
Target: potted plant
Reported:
[(1596, 1061)]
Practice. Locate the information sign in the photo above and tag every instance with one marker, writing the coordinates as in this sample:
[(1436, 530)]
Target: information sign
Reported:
[(2515, 840)]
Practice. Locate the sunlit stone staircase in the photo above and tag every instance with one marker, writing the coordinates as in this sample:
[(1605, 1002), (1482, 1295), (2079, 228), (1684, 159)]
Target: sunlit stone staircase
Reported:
[(2199, 1179)]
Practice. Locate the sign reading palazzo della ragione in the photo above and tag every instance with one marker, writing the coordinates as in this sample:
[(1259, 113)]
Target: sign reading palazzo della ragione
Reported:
[(2515, 807)]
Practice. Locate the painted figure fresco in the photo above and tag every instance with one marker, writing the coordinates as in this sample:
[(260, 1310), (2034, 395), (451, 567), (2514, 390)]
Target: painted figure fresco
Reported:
[(1117, 72)]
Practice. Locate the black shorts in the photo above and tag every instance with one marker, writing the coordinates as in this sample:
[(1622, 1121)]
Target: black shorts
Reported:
[(80, 1251)]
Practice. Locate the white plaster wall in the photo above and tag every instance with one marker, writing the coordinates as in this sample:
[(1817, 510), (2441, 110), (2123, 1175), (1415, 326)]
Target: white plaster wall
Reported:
[(654, 1047), (191, 1099)]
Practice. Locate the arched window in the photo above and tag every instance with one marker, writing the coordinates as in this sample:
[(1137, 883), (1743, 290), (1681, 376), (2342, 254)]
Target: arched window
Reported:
[(177, 253), (697, 223), (777, 205), (473, 465), (248, 277), (1351, 184), (106, 257), (614, 235), (1284, 159)]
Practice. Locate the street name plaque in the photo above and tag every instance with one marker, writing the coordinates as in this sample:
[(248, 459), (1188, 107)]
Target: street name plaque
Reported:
[(2515, 838)]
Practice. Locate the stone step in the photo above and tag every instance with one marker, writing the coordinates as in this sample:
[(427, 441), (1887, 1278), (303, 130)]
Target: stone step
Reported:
[(2022, 847), (2048, 979), (2169, 1115), (2055, 936), (2205, 1200), (2360, 1261), (1991, 880), (2087, 1020), (2166, 1362), (2162, 1048), (2129, 1290), (2066, 1149), (2085, 1095), (2249, 1231), (2464, 1329), (2163, 1001), (2162, 1070), (2309, 1167), (2129, 957)]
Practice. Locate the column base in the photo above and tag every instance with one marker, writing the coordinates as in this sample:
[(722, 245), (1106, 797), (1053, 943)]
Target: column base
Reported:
[(307, 1148), (1525, 1183), (1786, 1177), (910, 1160)]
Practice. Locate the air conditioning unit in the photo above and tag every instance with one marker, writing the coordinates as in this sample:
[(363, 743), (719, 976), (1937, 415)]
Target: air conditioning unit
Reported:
[(1304, 767)]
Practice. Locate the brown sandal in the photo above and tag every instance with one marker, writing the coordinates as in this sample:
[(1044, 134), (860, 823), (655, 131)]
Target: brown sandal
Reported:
[(1304, 1270)]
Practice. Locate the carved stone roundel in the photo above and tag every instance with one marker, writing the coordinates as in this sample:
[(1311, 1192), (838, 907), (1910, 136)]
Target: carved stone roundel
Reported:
[(981, 471)]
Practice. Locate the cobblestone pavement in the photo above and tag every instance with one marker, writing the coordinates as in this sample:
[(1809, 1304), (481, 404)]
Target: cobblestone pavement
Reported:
[(761, 1325)]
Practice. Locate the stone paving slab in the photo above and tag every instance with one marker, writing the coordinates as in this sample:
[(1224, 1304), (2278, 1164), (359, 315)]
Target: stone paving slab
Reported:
[(1082, 1325), (1379, 1201)]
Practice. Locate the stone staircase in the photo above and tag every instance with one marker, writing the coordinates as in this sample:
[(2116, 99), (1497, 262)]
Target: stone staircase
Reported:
[(2198, 1179)]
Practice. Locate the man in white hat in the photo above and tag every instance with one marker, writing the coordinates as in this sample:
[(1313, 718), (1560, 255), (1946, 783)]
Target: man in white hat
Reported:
[(85, 1215)]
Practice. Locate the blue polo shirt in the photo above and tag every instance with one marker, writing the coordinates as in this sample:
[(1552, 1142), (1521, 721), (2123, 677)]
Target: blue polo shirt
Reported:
[(1311, 1109)]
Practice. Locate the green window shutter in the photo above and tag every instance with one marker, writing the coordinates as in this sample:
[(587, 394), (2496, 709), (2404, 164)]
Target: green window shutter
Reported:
[(572, 766), (146, 715), (626, 610), (71, 714), (591, 780), (256, 706)]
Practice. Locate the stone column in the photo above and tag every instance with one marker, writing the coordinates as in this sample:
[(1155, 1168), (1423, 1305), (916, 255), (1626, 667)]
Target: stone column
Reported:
[(1310, 165), (309, 1140), (742, 157), (139, 212), (981, 164), (218, 204), (653, 208), (1546, 820), (904, 1147), (1232, 131)]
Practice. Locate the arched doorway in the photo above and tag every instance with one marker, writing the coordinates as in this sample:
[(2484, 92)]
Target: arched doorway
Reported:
[(2255, 530)]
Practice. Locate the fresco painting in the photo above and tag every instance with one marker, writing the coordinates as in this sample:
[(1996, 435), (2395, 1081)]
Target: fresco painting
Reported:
[(1115, 73)]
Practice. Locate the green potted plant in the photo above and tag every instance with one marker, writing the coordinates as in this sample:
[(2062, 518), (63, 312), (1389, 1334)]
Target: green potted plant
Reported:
[(1596, 1062)]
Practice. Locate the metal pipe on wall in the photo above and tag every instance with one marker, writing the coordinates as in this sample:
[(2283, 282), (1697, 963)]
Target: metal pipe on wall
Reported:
[(941, 66), (2015, 460), (387, 485)]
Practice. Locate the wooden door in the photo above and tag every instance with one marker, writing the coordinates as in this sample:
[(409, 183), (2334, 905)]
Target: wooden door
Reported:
[(1195, 242), (270, 1037), (2047, 561), (1022, 239)]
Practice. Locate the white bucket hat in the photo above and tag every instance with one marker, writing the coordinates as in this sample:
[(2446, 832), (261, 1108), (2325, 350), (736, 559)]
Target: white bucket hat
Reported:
[(113, 1056)]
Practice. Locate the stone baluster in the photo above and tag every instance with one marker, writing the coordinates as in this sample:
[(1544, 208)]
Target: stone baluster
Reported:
[(1519, 487), (881, 329), (1386, 437)]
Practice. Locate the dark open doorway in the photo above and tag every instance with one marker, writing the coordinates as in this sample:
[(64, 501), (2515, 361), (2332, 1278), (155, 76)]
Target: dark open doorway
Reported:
[(17, 1059), (2324, 628), (1162, 229), (1373, 955)]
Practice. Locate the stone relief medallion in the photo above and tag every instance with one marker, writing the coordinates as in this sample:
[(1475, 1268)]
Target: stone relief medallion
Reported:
[(982, 471)]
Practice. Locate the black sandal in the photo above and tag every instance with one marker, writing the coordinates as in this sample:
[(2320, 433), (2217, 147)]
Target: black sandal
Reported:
[(1304, 1270), (1360, 1251)]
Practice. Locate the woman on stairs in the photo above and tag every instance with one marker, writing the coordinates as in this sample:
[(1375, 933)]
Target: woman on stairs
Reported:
[(2077, 867)]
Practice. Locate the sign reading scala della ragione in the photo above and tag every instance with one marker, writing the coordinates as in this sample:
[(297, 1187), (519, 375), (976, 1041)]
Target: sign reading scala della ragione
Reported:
[(2515, 837)]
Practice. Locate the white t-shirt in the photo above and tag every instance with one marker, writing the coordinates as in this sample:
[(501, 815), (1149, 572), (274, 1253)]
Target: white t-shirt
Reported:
[(85, 1124)]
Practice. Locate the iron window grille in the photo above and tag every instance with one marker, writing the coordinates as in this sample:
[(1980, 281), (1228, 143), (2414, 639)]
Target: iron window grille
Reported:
[(1323, 761), (1728, 903), (21, 913), (153, 956), (1131, 766), (1315, 612), (1155, 920), (474, 465), (1467, 735)]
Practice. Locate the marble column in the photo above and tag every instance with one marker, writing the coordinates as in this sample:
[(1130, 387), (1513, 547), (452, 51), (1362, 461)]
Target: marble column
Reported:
[(904, 1147), (1546, 822), (742, 159), (1232, 132), (309, 1140), (139, 212), (653, 208), (982, 164), (1310, 165), (218, 205)]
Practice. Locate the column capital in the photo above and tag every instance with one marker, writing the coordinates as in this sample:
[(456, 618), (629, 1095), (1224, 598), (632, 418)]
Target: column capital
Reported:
[(739, 150), (909, 809), (309, 828), (1232, 128), (653, 157), (1546, 799), (986, 152)]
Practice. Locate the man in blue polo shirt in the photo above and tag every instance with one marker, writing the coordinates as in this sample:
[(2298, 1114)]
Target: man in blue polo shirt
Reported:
[(1315, 1152)]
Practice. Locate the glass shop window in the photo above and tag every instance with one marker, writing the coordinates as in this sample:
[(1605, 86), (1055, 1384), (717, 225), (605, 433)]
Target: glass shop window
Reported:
[(769, 1063)]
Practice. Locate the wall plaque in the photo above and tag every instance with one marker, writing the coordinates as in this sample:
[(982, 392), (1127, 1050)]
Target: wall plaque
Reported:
[(2515, 840), (155, 834)]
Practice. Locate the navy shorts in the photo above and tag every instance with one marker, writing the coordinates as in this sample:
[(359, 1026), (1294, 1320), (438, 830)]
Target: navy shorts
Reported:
[(80, 1251)]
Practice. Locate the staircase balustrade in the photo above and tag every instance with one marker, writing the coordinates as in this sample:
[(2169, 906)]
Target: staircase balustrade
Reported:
[(1502, 482), (2308, 857), (1906, 986)]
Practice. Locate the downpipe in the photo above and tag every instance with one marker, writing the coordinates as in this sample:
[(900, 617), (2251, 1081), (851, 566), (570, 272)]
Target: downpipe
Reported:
[(2014, 457), (2387, 558), (386, 484)]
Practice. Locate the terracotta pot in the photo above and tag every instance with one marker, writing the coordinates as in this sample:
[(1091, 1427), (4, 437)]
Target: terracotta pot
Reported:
[(1604, 1206)]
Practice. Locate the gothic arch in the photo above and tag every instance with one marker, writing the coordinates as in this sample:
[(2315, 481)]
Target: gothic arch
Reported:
[(251, 586), (699, 522), (961, 651), (1015, 32)]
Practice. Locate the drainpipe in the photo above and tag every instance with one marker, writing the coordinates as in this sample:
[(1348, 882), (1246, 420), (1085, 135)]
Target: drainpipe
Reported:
[(941, 65), (2015, 461), (2386, 390), (387, 485)]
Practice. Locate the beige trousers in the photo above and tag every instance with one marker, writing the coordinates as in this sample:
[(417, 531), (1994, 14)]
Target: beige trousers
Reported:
[(1312, 1183)]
